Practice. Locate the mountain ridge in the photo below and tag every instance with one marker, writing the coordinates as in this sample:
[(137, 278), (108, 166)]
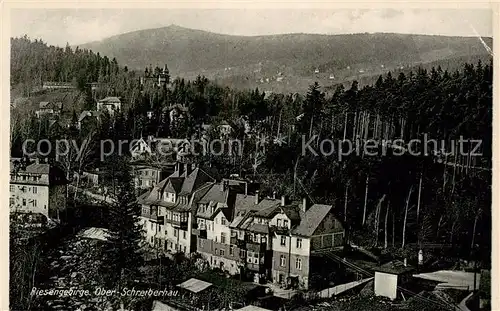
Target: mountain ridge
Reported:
[(189, 52)]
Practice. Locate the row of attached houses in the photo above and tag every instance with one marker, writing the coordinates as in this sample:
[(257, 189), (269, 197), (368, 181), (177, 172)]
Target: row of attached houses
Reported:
[(263, 238)]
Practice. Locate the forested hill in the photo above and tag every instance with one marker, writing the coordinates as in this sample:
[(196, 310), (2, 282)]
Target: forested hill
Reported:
[(188, 50)]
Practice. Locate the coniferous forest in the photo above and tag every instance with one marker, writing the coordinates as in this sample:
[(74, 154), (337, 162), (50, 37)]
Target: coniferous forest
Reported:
[(443, 196), (393, 201)]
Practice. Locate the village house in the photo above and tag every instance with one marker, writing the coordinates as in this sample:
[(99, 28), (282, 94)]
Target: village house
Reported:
[(140, 148), (147, 176), (38, 188), (168, 209), (110, 104), (158, 77), (48, 108), (88, 119), (50, 85), (269, 239), (214, 213)]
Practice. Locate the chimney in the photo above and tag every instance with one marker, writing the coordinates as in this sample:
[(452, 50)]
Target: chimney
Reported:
[(188, 168), (404, 262), (256, 197), (283, 200), (179, 168), (304, 205)]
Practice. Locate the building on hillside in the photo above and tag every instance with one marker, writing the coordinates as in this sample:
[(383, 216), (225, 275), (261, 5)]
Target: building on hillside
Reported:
[(272, 239), (110, 104), (146, 176), (389, 276), (215, 211), (88, 119), (298, 231), (50, 85), (158, 77), (140, 148), (48, 108), (37, 188), (168, 209), (179, 149)]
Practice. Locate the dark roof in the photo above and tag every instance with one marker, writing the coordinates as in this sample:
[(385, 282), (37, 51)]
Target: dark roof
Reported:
[(246, 203), (311, 219), (214, 194), (42, 168), (87, 113), (394, 267), (194, 180), (174, 184)]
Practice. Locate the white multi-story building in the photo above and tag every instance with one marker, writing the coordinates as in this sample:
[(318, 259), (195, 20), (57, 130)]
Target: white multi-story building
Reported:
[(111, 104), (167, 210), (37, 188)]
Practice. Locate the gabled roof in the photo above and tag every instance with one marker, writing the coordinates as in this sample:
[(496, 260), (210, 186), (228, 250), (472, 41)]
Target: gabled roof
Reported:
[(214, 194), (87, 113), (194, 180), (311, 219), (174, 184)]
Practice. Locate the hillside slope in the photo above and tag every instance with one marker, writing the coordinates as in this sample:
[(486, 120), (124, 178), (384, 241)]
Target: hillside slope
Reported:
[(190, 52)]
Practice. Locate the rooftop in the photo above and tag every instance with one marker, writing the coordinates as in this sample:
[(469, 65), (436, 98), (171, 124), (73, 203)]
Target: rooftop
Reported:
[(194, 285)]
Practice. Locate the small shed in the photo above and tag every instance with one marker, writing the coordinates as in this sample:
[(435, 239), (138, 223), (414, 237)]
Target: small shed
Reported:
[(389, 276)]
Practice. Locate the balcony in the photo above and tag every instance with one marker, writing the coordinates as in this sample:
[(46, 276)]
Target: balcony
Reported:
[(237, 242), (255, 247), (179, 224), (153, 216)]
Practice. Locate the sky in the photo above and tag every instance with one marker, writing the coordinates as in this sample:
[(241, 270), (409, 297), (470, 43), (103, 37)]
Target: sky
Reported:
[(78, 26)]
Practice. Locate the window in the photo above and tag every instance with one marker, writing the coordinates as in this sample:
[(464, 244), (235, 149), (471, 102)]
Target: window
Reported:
[(242, 253), (222, 252), (216, 251), (152, 226), (184, 235), (299, 243), (279, 222), (12, 201), (231, 251), (223, 238), (283, 240), (34, 190), (223, 221), (175, 232), (34, 203), (298, 264), (285, 223), (282, 260), (12, 188), (24, 202)]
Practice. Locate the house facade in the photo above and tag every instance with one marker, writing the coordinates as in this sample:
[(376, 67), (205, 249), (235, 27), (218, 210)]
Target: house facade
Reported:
[(37, 188), (167, 210), (48, 108), (110, 104), (147, 176), (269, 239)]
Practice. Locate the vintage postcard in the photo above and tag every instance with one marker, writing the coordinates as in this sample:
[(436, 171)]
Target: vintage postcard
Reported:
[(249, 158)]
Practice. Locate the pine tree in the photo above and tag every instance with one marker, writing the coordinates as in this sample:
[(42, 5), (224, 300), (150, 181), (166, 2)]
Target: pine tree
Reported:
[(122, 256)]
